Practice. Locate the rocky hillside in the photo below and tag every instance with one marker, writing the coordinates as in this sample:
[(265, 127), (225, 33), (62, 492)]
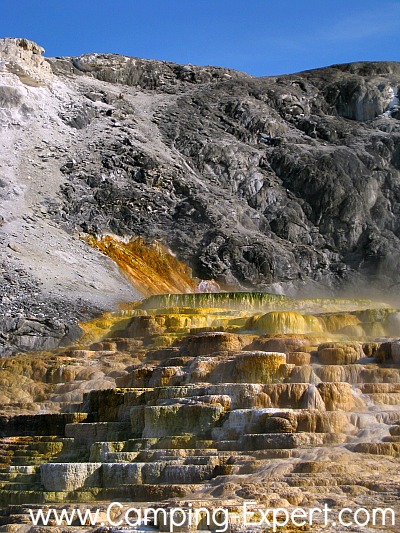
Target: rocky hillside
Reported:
[(289, 183)]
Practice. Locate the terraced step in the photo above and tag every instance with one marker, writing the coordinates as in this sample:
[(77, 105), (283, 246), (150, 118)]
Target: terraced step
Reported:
[(124, 457), (241, 457), (26, 451), (66, 477), (152, 492), (372, 388), (315, 480), (99, 431), (62, 407), (14, 519), (157, 454), (388, 417), (120, 457), (377, 448), (29, 461), (28, 470), (266, 441), (390, 398), (38, 425), (21, 497), (354, 374), (15, 486), (20, 478)]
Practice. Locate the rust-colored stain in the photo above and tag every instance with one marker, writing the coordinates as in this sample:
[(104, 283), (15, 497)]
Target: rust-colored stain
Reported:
[(150, 267)]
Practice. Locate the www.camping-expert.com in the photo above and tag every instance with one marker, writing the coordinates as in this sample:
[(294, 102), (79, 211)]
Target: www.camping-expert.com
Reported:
[(217, 519)]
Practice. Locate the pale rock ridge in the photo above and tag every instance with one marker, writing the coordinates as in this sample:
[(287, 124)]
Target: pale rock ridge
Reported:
[(49, 279), (24, 59)]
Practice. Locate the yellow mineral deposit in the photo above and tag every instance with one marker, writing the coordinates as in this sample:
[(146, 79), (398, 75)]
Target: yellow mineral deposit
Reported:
[(335, 322), (195, 396), (289, 322), (151, 268)]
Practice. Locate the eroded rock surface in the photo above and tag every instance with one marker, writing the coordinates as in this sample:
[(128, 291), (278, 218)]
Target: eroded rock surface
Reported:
[(285, 183)]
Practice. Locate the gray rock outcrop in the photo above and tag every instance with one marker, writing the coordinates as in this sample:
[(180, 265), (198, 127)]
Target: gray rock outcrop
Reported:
[(287, 183)]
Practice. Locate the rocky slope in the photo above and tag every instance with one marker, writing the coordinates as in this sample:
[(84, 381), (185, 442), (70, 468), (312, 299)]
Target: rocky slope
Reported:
[(286, 183)]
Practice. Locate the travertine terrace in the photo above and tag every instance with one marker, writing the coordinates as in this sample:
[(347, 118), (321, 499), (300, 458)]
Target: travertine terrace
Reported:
[(208, 399)]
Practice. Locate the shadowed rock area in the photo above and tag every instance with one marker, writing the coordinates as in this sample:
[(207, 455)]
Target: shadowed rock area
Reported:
[(287, 183)]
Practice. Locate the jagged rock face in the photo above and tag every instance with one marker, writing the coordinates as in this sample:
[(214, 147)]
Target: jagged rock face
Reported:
[(264, 181), (23, 58), (287, 183)]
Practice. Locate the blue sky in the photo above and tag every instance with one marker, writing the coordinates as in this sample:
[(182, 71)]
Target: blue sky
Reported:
[(261, 37)]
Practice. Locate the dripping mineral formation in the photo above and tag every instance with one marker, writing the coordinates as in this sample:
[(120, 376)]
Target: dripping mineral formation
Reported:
[(287, 184)]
